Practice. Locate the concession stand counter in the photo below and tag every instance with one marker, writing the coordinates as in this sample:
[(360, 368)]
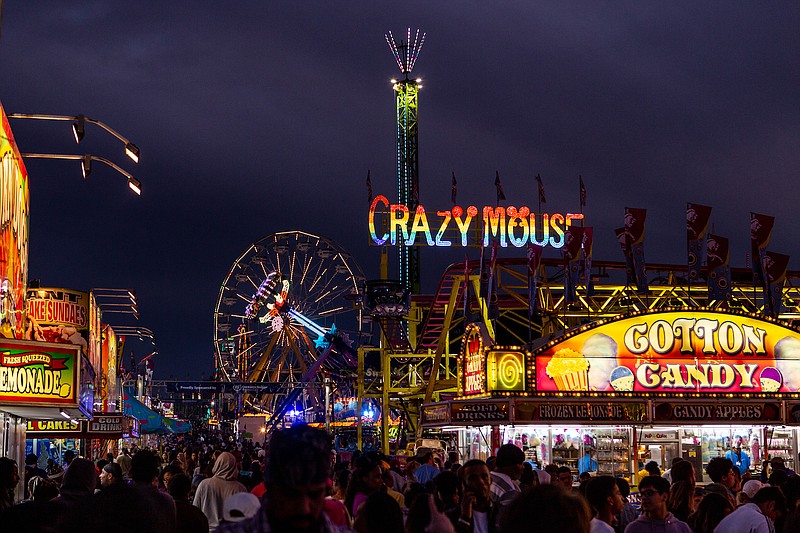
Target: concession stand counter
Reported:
[(622, 392)]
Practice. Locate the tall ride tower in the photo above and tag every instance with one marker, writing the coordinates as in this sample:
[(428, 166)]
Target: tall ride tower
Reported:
[(407, 104)]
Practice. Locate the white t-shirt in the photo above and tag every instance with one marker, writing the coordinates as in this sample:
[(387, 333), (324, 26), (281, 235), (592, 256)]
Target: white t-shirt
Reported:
[(598, 526), (480, 522)]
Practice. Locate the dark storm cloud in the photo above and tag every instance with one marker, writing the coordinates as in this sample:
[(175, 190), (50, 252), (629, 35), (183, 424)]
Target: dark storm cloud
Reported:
[(259, 117)]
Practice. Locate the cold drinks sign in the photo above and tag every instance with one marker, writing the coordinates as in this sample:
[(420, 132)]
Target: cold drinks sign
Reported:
[(674, 351)]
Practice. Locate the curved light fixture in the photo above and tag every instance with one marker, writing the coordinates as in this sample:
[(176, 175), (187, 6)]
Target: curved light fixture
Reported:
[(86, 166), (78, 129)]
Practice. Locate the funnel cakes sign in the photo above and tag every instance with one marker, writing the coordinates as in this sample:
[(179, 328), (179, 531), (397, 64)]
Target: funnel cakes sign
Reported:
[(674, 351)]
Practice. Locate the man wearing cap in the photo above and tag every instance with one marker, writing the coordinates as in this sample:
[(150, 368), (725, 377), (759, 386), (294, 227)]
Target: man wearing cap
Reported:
[(110, 474), (749, 490), (758, 516), (739, 458), (427, 471), (507, 471)]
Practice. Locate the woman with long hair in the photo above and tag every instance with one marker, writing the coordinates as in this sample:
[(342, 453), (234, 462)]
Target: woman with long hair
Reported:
[(681, 500), (712, 509), (365, 479)]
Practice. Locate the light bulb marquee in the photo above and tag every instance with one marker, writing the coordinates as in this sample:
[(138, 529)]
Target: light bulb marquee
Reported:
[(677, 353), (518, 227)]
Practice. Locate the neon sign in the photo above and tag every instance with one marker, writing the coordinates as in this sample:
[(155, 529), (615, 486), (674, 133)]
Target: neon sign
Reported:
[(674, 351), (505, 225)]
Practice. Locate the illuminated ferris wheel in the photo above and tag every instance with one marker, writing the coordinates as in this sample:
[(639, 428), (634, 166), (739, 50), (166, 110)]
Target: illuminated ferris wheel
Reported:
[(288, 312)]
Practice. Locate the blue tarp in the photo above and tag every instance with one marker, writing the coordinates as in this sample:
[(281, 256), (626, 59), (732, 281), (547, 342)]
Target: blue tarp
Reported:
[(149, 420)]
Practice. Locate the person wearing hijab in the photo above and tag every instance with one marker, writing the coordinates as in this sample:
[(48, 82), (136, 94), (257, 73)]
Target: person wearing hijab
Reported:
[(212, 492)]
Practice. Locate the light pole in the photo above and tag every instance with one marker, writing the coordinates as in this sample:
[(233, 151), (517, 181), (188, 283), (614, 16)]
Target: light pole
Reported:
[(86, 166), (78, 129)]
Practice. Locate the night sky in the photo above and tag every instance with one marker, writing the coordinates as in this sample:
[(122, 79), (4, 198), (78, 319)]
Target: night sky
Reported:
[(257, 117)]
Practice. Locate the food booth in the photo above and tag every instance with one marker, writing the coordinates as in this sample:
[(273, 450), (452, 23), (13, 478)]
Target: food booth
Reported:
[(693, 383)]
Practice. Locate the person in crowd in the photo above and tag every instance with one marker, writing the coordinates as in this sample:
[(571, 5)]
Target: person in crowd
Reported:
[(547, 509), (748, 491), (447, 489), (478, 510), (124, 462), (710, 512), (683, 471), (778, 478), (758, 516), (365, 480), (212, 492), (587, 463), (166, 476), (397, 468), (722, 490), (564, 477), (668, 472), (380, 513), (739, 458), (552, 471), (68, 456), (507, 471), (341, 478), (396, 496), (9, 479), (110, 474), (652, 468), (681, 500), (411, 469), (144, 477), (424, 516), (628, 513), (80, 480), (31, 470), (775, 464), (296, 484), (720, 470), (604, 496), (654, 493), (427, 469)]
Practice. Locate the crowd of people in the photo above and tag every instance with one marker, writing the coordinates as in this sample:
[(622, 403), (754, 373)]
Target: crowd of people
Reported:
[(212, 483)]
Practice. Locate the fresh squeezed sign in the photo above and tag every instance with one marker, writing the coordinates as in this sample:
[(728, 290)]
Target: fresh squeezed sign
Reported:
[(675, 351), (505, 225)]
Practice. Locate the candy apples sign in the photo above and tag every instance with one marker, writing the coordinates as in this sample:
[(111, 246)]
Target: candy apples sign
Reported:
[(674, 351)]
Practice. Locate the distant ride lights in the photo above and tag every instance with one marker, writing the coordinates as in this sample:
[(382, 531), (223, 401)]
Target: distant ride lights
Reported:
[(519, 227)]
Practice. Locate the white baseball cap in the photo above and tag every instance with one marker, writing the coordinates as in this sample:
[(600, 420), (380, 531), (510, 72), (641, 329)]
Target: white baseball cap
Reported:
[(240, 506)]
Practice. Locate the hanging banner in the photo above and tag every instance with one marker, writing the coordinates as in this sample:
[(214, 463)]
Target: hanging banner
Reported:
[(674, 351)]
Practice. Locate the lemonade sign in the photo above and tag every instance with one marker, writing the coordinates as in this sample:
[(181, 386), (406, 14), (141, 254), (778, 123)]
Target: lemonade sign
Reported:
[(38, 373)]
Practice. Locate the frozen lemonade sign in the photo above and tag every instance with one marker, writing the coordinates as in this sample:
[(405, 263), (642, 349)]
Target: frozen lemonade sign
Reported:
[(38, 373), (674, 351)]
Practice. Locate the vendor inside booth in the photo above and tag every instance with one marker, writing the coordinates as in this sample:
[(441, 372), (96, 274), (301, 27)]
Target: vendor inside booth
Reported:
[(610, 396)]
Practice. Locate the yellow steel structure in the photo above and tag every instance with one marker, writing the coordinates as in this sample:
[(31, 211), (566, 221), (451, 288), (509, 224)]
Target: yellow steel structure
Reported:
[(420, 374)]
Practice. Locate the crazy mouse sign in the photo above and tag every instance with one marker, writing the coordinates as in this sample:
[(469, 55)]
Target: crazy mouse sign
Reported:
[(674, 351)]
